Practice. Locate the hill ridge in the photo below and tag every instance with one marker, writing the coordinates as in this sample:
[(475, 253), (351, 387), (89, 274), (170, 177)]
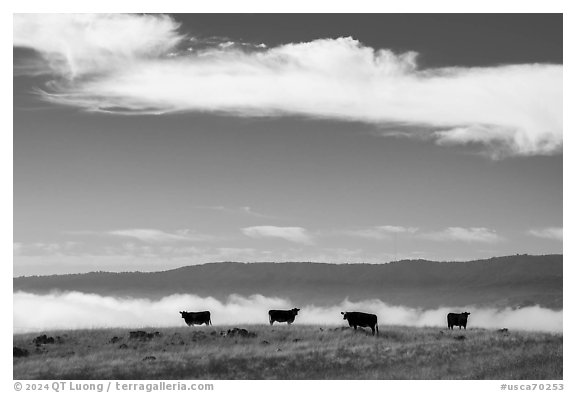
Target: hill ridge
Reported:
[(515, 280)]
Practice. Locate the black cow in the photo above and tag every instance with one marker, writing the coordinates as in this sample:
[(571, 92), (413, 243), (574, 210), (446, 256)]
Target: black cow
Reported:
[(361, 319), (459, 320), (283, 315), (196, 318)]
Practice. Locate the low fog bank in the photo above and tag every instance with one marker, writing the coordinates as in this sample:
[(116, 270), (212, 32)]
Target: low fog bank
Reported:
[(75, 310)]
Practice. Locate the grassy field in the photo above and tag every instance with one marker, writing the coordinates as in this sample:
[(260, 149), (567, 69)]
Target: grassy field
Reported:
[(291, 352)]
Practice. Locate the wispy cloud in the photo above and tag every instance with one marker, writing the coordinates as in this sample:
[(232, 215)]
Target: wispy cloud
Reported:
[(246, 210), (158, 236), (46, 248), (234, 253), (144, 64), (379, 232), (17, 248), (555, 233), (292, 234), (471, 235)]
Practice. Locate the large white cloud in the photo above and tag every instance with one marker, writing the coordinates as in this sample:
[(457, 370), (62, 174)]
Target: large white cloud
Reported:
[(79, 44), (137, 64)]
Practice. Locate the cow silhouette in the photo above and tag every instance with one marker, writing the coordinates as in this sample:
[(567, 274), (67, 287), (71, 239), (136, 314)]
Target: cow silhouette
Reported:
[(283, 315), (460, 320), (362, 319), (196, 318)]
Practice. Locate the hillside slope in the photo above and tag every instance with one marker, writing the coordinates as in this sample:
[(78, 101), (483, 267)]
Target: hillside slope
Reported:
[(518, 280)]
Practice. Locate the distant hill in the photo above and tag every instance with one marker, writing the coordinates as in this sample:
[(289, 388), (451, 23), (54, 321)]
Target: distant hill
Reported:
[(518, 280)]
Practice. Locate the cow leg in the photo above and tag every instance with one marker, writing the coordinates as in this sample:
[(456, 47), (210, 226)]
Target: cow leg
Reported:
[(355, 327), (271, 322), (373, 330)]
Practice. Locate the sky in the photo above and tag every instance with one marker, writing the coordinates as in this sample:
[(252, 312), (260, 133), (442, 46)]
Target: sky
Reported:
[(149, 142)]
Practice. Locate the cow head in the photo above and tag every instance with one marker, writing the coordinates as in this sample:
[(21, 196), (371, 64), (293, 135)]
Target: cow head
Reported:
[(295, 311), (465, 314), (345, 314), (183, 313)]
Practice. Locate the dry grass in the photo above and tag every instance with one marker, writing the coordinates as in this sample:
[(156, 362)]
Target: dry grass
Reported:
[(293, 352)]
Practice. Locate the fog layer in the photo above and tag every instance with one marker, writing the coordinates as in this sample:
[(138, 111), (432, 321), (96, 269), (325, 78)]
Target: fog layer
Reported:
[(75, 310)]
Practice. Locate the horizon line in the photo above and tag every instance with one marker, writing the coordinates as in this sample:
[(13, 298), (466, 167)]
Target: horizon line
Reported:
[(291, 262)]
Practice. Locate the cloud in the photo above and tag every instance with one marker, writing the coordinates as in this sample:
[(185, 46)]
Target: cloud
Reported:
[(554, 233), (157, 236), (380, 232), (74, 310), (40, 248), (471, 235), (77, 45), (138, 64), (292, 234), (236, 252), (246, 210)]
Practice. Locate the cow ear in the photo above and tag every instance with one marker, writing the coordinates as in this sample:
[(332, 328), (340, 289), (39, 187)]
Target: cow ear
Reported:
[(342, 312)]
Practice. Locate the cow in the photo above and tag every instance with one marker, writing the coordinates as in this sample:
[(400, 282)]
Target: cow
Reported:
[(282, 315), (459, 320), (196, 318), (361, 319)]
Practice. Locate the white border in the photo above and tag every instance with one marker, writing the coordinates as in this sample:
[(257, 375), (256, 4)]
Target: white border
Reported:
[(299, 6)]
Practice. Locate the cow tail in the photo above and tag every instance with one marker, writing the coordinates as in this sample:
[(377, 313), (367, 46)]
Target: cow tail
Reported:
[(377, 329), (210, 321)]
